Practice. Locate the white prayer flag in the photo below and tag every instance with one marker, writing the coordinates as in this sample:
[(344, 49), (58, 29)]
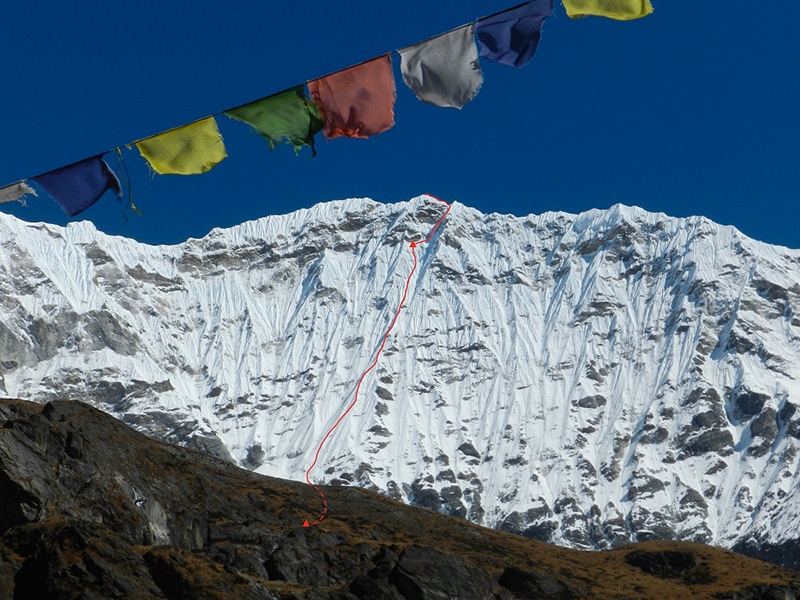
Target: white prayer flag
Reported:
[(444, 70)]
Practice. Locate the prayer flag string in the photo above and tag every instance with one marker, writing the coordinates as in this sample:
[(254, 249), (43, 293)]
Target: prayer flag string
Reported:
[(355, 102)]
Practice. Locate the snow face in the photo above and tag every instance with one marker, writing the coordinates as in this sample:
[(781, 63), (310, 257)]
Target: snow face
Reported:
[(586, 379)]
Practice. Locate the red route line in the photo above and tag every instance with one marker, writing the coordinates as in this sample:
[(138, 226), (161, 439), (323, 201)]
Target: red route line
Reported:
[(413, 246)]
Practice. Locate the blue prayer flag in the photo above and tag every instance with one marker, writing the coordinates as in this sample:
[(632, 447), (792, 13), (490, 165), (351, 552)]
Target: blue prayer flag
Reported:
[(511, 37), (77, 186)]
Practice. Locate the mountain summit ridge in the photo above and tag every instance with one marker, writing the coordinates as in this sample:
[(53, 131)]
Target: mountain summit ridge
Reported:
[(588, 379)]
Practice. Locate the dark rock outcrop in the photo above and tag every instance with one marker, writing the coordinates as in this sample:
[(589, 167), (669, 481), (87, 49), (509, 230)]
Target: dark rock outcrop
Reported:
[(662, 564), (91, 509)]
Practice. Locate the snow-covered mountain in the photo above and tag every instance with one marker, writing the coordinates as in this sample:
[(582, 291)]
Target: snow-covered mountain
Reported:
[(584, 379)]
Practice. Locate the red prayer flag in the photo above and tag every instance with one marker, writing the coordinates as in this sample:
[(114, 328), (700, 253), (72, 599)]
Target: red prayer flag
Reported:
[(359, 101)]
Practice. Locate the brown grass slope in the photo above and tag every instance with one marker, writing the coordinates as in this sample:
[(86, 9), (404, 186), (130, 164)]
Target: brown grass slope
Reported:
[(91, 509)]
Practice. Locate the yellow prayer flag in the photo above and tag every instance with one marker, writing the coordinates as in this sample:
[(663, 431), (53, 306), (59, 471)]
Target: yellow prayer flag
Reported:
[(188, 150), (622, 10)]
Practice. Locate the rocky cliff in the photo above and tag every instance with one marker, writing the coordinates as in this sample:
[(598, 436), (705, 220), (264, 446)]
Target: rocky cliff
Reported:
[(589, 380), (91, 509)]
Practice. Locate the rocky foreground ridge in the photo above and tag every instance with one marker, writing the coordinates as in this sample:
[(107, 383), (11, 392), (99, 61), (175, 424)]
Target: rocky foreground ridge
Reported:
[(91, 509), (589, 380)]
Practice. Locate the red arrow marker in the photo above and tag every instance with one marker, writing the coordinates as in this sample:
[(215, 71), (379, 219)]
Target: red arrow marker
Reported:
[(413, 246)]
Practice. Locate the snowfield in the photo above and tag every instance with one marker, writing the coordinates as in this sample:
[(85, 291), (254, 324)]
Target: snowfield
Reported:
[(584, 379)]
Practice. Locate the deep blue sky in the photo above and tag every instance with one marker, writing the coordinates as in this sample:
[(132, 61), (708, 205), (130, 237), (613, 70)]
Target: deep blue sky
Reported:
[(692, 110)]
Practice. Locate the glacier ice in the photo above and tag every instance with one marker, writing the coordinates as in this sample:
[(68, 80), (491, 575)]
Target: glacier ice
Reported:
[(587, 379)]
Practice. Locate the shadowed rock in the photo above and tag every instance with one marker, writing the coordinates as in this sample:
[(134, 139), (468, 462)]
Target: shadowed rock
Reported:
[(91, 509)]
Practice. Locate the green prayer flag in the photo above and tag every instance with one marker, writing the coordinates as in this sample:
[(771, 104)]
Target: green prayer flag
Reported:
[(287, 117)]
